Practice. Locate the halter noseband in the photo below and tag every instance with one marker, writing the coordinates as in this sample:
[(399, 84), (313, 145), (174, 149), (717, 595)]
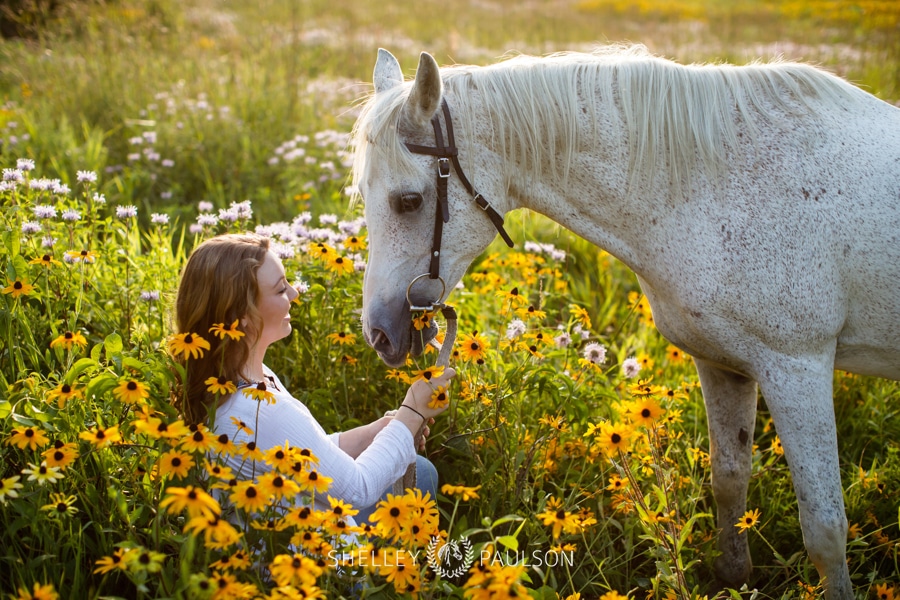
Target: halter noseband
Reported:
[(446, 155)]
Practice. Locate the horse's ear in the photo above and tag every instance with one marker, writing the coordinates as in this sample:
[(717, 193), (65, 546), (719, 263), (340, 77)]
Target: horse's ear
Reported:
[(425, 95), (387, 72)]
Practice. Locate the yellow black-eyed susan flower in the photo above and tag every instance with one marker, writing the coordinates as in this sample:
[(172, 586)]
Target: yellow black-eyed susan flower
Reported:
[(472, 346), (612, 438), (748, 520), (273, 483), (69, 339), (82, 256), (143, 560), (294, 569), (581, 315), (217, 532), (45, 260), (27, 437), (131, 391), (531, 312), (341, 265), (158, 429), (439, 398), (38, 592), (342, 338), (320, 250), (646, 411), (259, 392), (247, 496), (112, 562), (422, 320), (175, 463), (219, 385), (428, 373), (248, 450), (558, 520), (355, 243), (61, 505), (304, 517), (463, 492), (63, 393), (281, 457), (192, 499), (101, 437), (200, 439), (188, 345), (18, 288), (313, 481), (221, 330), (61, 455)]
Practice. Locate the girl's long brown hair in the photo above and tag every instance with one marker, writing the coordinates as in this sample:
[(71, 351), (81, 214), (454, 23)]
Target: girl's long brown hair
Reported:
[(218, 285)]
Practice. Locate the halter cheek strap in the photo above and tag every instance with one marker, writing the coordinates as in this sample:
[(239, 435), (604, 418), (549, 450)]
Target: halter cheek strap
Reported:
[(446, 156)]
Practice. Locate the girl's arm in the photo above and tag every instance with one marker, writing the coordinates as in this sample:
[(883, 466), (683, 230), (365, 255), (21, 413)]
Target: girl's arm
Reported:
[(354, 441)]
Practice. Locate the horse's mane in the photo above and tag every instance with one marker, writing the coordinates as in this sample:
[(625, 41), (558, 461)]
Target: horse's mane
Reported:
[(674, 114)]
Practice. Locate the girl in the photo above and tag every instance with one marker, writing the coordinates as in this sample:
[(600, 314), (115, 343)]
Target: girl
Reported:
[(236, 278)]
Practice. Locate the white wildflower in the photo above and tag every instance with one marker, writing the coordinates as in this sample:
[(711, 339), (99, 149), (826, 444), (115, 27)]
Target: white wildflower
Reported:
[(31, 227), (594, 352), (631, 367), (515, 328), (125, 212)]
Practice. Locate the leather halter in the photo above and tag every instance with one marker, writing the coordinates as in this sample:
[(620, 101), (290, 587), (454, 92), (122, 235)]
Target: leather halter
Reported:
[(446, 156)]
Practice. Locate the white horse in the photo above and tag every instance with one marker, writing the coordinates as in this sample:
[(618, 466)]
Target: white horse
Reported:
[(759, 206)]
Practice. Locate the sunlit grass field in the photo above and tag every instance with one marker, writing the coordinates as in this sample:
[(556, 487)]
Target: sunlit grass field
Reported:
[(575, 446)]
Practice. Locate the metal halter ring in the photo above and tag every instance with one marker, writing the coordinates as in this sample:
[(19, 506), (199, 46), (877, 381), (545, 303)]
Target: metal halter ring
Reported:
[(432, 306)]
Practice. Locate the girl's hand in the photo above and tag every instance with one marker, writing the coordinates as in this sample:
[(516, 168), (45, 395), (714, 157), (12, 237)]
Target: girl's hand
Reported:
[(420, 393), (414, 412), (426, 431)]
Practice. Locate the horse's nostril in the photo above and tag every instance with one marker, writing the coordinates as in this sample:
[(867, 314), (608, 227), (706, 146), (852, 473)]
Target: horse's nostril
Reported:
[(380, 341)]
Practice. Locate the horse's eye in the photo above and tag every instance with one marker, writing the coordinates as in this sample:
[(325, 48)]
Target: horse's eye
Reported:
[(404, 202)]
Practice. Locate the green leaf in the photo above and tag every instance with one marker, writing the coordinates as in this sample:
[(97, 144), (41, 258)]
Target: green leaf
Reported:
[(112, 345), (506, 519), (80, 366), (509, 541)]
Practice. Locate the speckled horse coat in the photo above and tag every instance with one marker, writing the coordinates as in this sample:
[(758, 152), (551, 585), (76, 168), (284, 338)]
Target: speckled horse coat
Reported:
[(759, 206)]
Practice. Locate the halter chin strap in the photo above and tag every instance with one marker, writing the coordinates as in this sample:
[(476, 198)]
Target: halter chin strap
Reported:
[(448, 155)]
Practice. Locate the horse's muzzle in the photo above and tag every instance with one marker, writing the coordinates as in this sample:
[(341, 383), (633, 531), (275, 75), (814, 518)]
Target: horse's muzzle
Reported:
[(394, 351)]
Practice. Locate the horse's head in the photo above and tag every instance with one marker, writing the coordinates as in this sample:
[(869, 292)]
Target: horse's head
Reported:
[(400, 190)]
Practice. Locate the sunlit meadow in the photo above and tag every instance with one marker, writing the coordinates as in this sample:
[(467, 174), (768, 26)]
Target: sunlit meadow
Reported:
[(574, 455)]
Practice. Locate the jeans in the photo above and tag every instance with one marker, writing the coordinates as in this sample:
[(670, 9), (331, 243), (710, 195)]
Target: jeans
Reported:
[(426, 480)]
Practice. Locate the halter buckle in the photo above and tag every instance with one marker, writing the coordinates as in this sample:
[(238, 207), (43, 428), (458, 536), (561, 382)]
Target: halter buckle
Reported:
[(443, 167)]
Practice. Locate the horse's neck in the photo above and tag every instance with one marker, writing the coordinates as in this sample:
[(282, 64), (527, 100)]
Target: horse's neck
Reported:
[(592, 199)]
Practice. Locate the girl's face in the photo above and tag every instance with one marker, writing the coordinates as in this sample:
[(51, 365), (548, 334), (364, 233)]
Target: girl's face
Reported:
[(273, 300)]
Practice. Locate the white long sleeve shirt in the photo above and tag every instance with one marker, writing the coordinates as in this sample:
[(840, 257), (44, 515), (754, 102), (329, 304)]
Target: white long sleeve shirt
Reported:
[(359, 482)]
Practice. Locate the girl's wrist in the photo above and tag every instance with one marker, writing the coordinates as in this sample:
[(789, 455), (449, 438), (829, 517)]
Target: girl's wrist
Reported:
[(404, 405)]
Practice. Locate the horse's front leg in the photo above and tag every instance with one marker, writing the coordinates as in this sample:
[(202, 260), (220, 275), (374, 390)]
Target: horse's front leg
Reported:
[(799, 395), (731, 412)]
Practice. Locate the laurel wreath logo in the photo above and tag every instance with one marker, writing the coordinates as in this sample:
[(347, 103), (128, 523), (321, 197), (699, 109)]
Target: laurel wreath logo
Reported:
[(459, 552)]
